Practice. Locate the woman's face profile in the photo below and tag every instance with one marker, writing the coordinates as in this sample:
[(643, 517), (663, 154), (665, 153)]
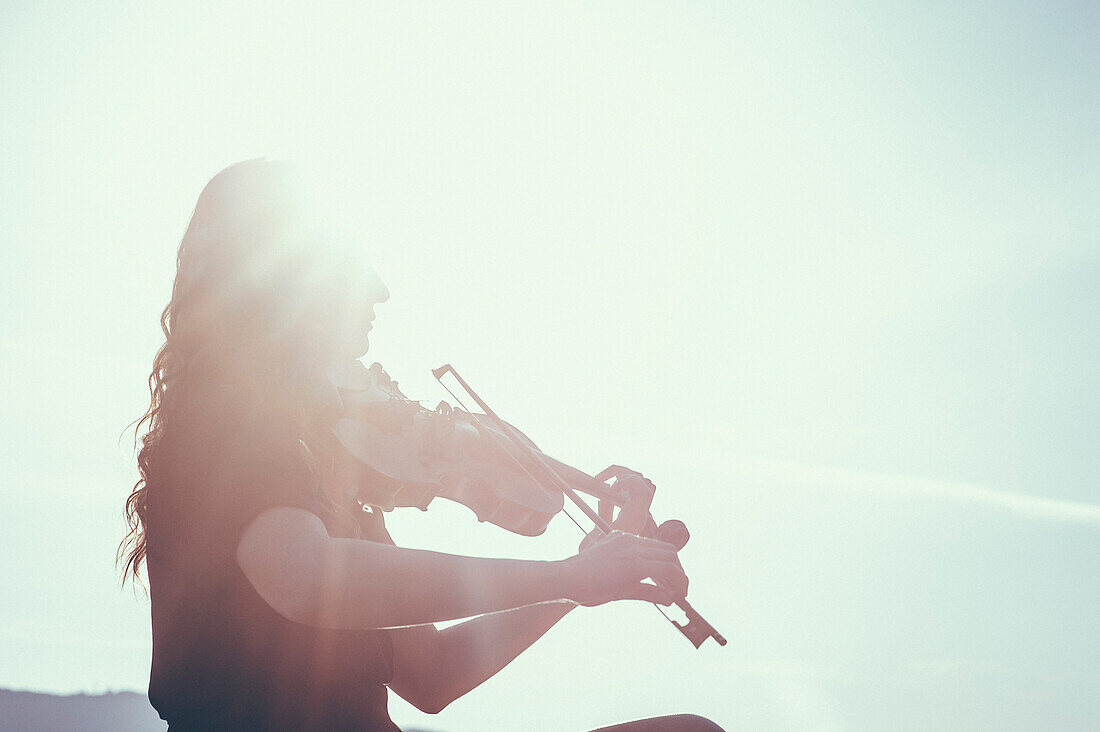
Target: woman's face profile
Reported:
[(363, 290), (374, 293)]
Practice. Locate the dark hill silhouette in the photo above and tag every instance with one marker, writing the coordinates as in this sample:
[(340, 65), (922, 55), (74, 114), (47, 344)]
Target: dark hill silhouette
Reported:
[(124, 711)]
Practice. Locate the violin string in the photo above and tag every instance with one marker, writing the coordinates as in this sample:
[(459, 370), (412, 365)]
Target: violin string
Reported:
[(570, 517), (498, 441)]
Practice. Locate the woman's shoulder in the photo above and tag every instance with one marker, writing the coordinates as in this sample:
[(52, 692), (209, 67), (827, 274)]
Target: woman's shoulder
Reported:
[(231, 453), (226, 431)]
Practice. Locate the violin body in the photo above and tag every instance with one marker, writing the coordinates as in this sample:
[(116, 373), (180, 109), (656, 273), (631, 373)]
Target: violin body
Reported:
[(411, 455)]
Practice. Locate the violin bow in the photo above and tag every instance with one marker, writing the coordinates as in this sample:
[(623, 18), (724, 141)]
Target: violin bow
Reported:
[(695, 628)]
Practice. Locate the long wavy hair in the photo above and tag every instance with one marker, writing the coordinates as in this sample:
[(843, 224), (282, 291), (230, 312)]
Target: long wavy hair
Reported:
[(256, 300)]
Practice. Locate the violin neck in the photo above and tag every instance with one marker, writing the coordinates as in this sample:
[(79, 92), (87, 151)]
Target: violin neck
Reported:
[(583, 482)]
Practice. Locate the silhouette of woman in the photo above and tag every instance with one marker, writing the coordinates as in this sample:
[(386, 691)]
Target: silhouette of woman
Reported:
[(278, 602)]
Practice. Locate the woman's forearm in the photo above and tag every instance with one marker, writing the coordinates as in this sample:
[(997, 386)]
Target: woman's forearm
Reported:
[(365, 584), (472, 652)]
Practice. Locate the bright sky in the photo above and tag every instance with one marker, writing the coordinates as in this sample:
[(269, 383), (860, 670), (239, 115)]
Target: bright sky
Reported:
[(828, 274)]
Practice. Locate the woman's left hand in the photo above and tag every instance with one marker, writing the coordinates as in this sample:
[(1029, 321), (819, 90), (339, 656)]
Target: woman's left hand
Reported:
[(633, 517)]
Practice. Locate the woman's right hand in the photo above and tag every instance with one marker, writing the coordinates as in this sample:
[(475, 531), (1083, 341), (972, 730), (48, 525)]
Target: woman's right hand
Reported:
[(616, 566)]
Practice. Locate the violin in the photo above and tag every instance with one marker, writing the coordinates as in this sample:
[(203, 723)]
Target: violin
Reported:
[(413, 454)]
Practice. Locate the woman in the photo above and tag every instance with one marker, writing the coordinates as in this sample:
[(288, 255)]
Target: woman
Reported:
[(278, 601)]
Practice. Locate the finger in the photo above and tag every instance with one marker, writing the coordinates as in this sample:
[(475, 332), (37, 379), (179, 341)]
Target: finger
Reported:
[(634, 515), (649, 542), (675, 532), (617, 472), (590, 540), (634, 480), (605, 510), (669, 577), (656, 554), (636, 487), (642, 546), (632, 522), (641, 555), (648, 593), (636, 498)]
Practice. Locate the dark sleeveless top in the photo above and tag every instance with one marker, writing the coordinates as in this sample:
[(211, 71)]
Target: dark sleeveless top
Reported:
[(223, 659)]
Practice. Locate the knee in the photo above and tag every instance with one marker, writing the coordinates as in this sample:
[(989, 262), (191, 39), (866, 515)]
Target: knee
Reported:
[(693, 723)]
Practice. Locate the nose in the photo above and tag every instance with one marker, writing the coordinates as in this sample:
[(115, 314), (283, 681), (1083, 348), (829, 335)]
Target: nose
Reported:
[(376, 288), (383, 292)]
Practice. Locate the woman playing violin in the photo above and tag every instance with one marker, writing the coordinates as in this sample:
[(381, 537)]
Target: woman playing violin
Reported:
[(279, 601)]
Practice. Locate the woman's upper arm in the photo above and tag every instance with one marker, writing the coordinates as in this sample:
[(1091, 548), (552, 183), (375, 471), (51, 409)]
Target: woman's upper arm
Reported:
[(281, 552)]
